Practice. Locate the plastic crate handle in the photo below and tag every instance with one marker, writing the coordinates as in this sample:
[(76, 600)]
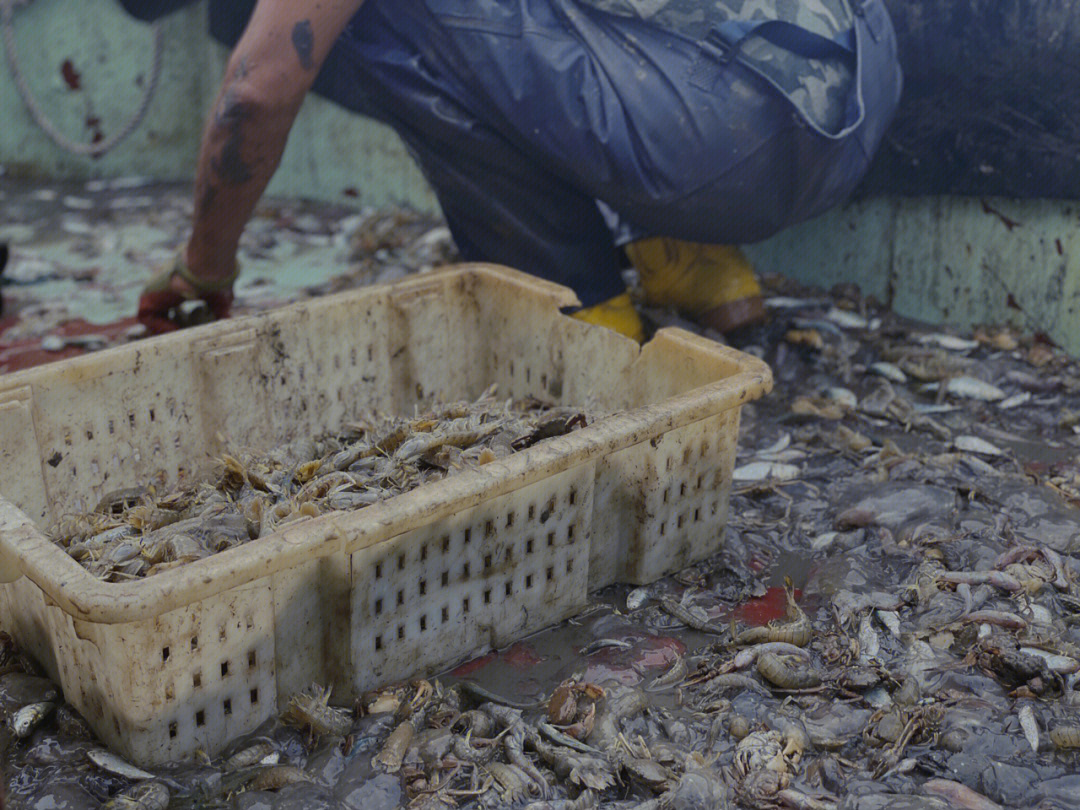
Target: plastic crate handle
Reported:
[(14, 525), (9, 566)]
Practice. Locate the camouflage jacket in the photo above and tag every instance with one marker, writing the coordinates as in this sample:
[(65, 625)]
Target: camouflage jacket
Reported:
[(818, 87)]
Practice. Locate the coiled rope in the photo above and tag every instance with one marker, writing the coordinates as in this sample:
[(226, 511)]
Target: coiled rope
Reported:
[(7, 13)]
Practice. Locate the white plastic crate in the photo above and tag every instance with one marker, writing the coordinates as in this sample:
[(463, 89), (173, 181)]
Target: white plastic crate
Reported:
[(200, 654)]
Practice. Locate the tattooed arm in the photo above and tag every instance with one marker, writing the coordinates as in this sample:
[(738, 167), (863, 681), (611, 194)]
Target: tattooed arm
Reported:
[(270, 71)]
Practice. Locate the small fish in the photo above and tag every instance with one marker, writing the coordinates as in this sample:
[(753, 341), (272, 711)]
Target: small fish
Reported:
[(1030, 726), (603, 644), (559, 738), (973, 444), (29, 717), (1015, 401), (959, 795), (890, 372), (973, 388), (785, 302), (637, 598), (764, 470), (847, 320), (110, 763), (949, 342), (817, 324), (933, 408), (779, 446), (480, 693)]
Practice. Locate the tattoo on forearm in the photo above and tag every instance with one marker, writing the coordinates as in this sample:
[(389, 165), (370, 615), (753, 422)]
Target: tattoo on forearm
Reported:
[(229, 165), (231, 116), (206, 201), (303, 41)]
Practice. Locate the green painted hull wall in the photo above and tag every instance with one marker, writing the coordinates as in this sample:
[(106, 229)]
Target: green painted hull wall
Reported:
[(329, 151)]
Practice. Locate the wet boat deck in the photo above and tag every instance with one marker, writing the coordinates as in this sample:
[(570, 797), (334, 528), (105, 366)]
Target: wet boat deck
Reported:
[(919, 486)]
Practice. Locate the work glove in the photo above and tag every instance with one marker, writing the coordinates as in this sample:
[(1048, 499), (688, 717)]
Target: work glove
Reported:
[(160, 305)]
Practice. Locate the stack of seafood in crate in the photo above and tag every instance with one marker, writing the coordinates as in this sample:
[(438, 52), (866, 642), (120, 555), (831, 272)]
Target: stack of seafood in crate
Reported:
[(351, 491)]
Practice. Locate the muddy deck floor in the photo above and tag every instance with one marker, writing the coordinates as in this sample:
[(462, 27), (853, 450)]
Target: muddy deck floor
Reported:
[(917, 486)]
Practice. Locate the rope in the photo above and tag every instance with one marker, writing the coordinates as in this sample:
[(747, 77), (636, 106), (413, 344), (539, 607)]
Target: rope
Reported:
[(39, 116)]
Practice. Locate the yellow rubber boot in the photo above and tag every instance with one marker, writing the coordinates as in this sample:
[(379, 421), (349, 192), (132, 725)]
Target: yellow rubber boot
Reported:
[(712, 284), (616, 313)]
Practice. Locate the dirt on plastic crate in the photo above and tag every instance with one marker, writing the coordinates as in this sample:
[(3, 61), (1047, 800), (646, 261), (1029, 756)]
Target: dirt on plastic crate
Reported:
[(196, 656)]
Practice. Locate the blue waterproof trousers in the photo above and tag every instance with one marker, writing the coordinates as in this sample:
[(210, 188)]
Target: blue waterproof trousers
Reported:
[(524, 113)]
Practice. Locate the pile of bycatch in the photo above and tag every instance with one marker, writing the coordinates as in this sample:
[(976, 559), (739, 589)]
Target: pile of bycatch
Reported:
[(141, 532), (921, 490)]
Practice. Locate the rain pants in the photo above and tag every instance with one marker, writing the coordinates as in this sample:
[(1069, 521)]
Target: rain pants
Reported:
[(523, 114)]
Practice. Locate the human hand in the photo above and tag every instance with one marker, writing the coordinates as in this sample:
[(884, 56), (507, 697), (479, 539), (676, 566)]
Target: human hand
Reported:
[(173, 285)]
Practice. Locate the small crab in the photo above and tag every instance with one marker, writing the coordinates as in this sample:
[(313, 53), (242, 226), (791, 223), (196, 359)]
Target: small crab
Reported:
[(760, 750), (572, 707)]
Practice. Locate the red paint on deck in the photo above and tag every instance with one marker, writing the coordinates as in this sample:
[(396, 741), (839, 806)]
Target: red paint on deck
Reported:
[(520, 656), (657, 651), (764, 609), (469, 667), (23, 353), (599, 673), (628, 666)]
